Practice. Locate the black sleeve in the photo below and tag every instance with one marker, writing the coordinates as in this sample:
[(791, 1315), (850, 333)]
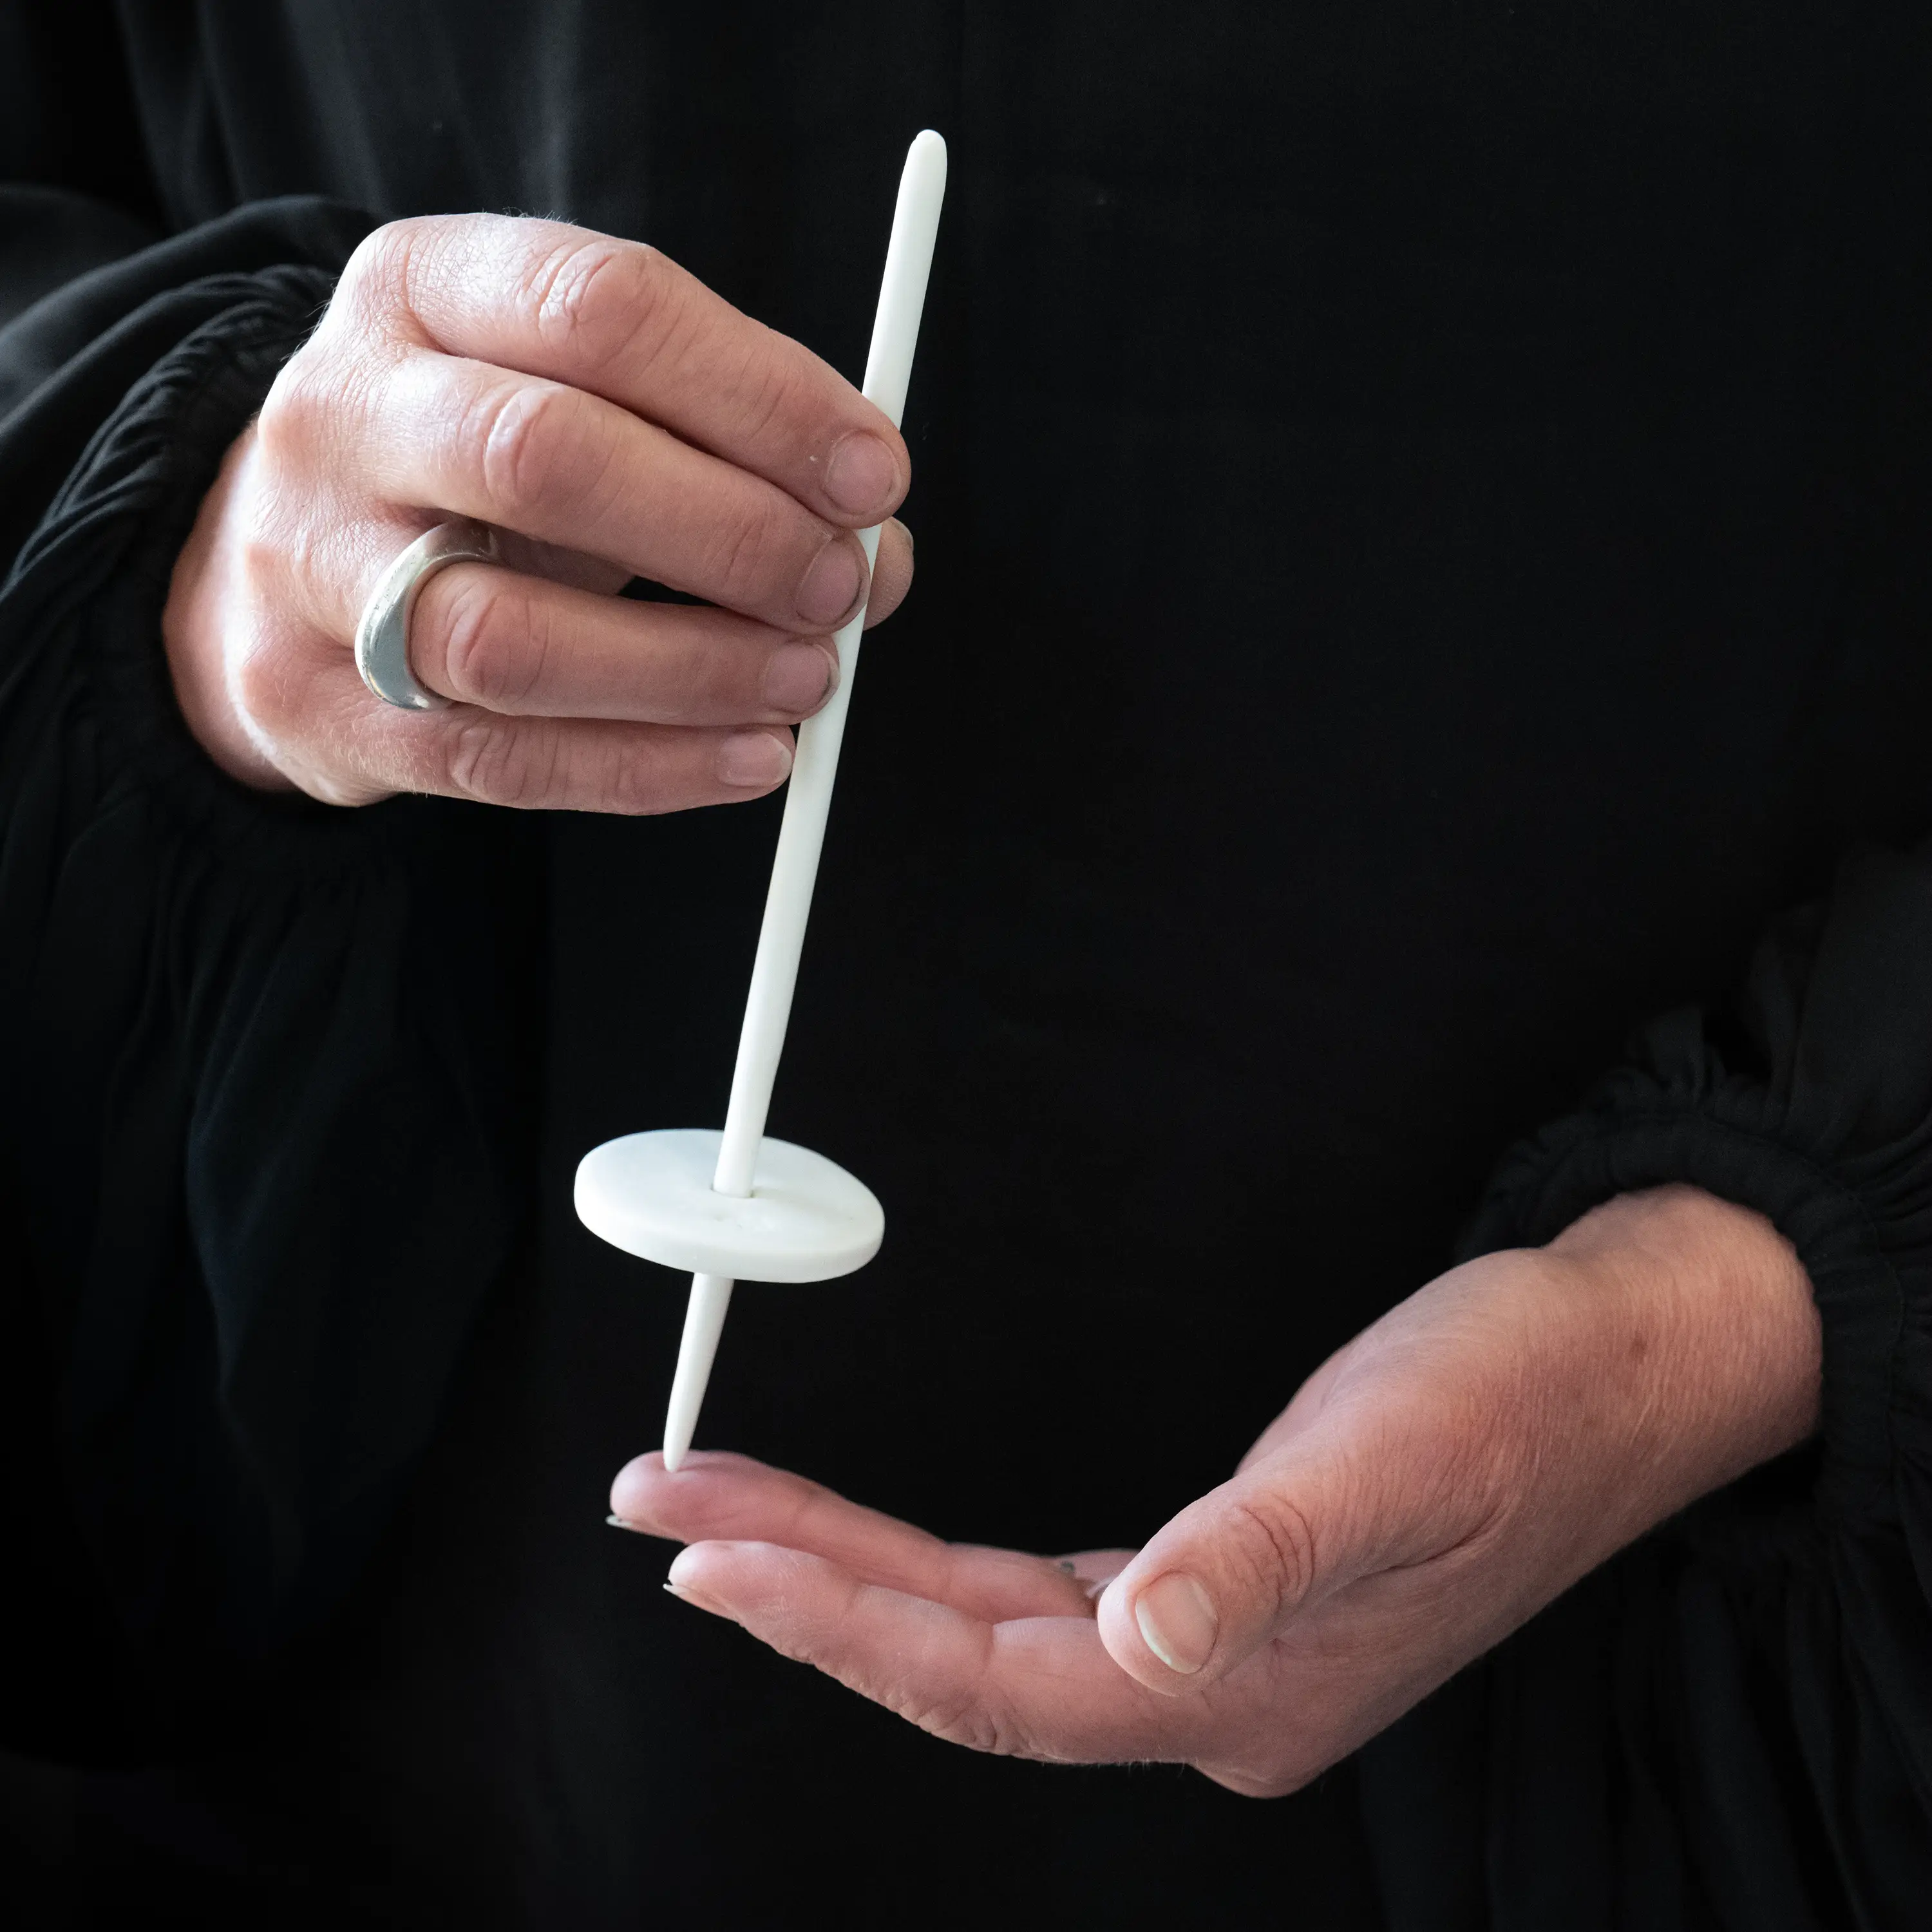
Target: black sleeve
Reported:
[(1730, 1725), (75, 190), (266, 1067)]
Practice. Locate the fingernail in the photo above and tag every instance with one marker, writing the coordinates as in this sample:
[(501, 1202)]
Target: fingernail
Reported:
[(831, 585), (682, 1591), (1177, 1619), (799, 678), (861, 476), (622, 1523), (691, 1597), (753, 758)]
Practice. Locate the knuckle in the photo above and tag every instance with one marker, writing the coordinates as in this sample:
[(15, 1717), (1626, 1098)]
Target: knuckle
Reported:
[(256, 681), (715, 684), (530, 445), (636, 787), (597, 300), (497, 765), (378, 274), (965, 1719), (493, 653), (263, 552), (770, 389), (275, 674), (297, 406), (319, 407), (748, 555), (955, 1720), (594, 298), (970, 1710), (1272, 1546), (279, 555)]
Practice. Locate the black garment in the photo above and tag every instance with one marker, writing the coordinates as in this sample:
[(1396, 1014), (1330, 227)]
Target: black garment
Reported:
[(1422, 524)]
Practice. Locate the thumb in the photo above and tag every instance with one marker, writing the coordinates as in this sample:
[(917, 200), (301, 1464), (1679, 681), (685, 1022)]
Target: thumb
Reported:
[(1229, 1572)]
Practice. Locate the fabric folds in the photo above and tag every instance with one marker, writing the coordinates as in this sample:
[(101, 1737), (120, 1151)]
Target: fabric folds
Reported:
[(1765, 1660), (268, 1078)]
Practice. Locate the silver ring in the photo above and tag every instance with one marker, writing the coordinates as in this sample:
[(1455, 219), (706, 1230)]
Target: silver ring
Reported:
[(382, 636)]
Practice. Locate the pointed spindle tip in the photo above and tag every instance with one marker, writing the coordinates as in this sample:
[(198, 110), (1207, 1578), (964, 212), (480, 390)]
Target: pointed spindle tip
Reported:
[(704, 1323)]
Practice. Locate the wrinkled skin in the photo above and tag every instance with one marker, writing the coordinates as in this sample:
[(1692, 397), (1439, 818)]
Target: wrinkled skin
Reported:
[(612, 418), (1433, 1485)]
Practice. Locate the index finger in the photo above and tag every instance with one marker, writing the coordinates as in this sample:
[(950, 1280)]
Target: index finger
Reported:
[(718, 1494), (624, 321)]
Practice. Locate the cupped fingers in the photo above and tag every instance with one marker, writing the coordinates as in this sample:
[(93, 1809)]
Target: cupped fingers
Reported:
[(719, 1495), (566, 467), (553, 764), (523, 647), (1039, 1687), (624, 322), (342, 746)]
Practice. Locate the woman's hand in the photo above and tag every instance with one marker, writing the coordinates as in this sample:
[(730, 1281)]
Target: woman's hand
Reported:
[(614, 419), (1433, 1485)]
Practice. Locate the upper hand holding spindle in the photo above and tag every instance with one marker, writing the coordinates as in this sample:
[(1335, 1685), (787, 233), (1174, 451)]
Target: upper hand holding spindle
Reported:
[(612, 418)]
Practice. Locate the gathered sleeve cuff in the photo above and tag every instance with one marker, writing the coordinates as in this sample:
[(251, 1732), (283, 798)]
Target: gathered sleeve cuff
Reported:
[(1735, 1715), (269, 1065), (1812, 1104)]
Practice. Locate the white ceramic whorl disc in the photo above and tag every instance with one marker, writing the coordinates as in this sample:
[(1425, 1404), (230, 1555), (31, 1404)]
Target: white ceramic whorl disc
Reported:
[(806, 1220)]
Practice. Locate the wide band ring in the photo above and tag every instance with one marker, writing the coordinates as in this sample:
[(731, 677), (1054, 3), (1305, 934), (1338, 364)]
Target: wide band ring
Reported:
[(383, 636)]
